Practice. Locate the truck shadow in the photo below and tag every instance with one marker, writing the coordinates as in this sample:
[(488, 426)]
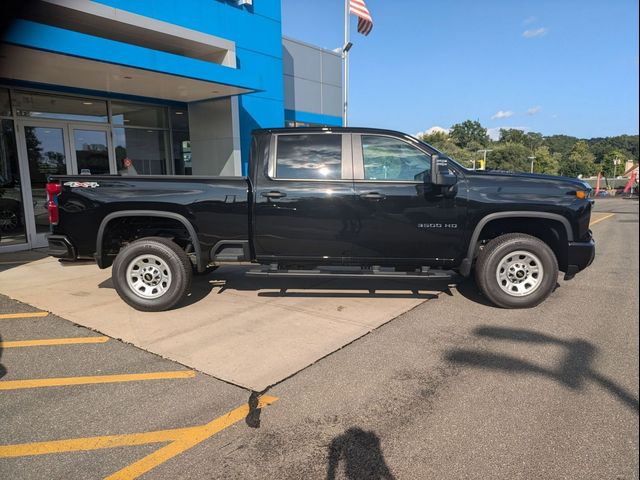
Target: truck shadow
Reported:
[(469, 290), (574, 371), (360, 454), (233, 278)]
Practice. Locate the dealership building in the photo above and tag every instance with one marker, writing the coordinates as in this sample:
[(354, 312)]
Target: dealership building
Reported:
[(176, 87)]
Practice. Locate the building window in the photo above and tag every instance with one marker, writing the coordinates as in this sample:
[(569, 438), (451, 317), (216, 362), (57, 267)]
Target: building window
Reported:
[(180, 141), (146, 148), (387, 158), (40, 105), (5, 103), (143, 137), (139, 115), (12, 226), (312, 157)]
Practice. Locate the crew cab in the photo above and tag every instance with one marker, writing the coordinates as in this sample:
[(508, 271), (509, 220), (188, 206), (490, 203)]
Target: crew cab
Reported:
[(339, 202)]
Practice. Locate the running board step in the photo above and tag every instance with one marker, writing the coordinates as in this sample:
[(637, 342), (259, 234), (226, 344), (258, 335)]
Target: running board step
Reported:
[(431, 274)]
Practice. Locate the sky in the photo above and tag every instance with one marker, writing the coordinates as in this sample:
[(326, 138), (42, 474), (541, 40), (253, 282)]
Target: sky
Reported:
[(550, 66)]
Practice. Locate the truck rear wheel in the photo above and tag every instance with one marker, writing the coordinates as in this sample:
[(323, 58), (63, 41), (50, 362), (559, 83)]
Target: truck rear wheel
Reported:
[(516, 271), (152, 274)]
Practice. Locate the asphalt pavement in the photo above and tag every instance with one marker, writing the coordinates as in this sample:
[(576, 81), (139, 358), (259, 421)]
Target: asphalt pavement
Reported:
[(452, 389)]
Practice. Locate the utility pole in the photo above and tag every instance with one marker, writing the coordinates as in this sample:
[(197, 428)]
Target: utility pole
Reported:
[(484, 150)]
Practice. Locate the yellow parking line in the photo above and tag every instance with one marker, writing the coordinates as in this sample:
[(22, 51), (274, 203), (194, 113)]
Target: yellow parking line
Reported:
[(52, 341), (181, 440), (601, 219), (23, 315), (186, 441), (66, 381)]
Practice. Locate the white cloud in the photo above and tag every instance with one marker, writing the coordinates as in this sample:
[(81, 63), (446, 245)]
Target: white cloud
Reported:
[(529, 20), (435, 129), (537, 32), (494, 132), (502, 114), (534, 110), (432, 130)]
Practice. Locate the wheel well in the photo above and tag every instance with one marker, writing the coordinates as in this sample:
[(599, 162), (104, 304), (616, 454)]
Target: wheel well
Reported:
[(123, 230), (551, 232)]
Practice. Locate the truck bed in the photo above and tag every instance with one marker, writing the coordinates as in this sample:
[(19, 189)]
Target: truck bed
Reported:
[(216, 207)]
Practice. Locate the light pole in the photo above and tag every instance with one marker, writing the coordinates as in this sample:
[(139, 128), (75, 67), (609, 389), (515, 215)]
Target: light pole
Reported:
[(484, 165), (616, 162), (346, 46), (532, 158)]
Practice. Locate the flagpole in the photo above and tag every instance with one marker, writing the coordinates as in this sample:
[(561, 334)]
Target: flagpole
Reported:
[(345, 64)]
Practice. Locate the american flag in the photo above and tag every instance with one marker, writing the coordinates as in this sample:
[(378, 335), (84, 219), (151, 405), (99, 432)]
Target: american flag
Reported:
[(359, 9)]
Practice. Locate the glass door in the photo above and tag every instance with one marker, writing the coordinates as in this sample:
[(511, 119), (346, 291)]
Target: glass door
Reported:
[(12, 218), (91, 152), (45, 149)]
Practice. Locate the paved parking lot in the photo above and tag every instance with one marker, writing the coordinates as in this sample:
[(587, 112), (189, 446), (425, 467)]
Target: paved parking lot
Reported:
[(250, 332), (453, 388)]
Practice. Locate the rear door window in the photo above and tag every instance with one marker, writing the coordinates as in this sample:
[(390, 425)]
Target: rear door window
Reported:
[(309, 157)]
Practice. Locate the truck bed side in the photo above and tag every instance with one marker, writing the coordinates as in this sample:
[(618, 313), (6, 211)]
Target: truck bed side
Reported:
[(214, 209)]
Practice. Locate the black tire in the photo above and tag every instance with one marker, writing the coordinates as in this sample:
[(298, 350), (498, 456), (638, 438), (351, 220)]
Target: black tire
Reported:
[(495, 254), (173, 265)]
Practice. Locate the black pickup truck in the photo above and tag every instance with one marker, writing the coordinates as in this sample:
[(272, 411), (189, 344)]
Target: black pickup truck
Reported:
[(339, 202)]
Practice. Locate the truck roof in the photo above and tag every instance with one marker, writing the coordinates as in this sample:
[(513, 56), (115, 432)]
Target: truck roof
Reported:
[(331, 129)]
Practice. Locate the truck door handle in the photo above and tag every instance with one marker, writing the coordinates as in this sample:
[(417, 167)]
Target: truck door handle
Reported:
[(273, 194), (373, 196)]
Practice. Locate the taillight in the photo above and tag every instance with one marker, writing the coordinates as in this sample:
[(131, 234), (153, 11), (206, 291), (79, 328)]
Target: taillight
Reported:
[(53, 190)]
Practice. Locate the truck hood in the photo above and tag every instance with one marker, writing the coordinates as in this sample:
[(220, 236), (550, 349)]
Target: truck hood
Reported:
[(531, 179)]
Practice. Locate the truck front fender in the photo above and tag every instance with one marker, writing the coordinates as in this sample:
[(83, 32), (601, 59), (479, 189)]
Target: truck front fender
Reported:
[(467, 262)]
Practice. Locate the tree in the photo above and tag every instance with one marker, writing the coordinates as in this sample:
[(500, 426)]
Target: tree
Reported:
[(627, 144), (436, 138), (580, 161), (512, 135), (607, 166), (469, 132), (546, 162), (512, 157), (443, 142), (532, 140), (561, 144)]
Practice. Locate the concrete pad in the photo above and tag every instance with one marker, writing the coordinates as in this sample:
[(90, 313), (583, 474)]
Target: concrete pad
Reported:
[(250, 332)]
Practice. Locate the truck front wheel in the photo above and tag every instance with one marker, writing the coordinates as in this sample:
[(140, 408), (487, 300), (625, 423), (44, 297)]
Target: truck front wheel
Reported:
[(152, 274), (516, 271)]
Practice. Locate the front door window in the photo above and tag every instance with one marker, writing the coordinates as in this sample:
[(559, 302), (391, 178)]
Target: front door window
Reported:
[(390, 159)]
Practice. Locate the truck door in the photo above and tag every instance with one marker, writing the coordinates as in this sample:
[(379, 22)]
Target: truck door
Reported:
[(403, 218), (304, 199)]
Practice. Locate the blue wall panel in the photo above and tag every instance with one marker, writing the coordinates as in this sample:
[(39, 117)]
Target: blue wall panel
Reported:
[(257, 33), (58, 40)]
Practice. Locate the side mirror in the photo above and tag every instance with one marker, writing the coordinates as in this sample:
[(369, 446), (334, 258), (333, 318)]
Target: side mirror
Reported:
[(440, 174)]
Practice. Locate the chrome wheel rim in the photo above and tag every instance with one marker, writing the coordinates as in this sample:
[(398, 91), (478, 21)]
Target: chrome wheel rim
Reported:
[(519, 273), (148, 276), (8, 220)]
